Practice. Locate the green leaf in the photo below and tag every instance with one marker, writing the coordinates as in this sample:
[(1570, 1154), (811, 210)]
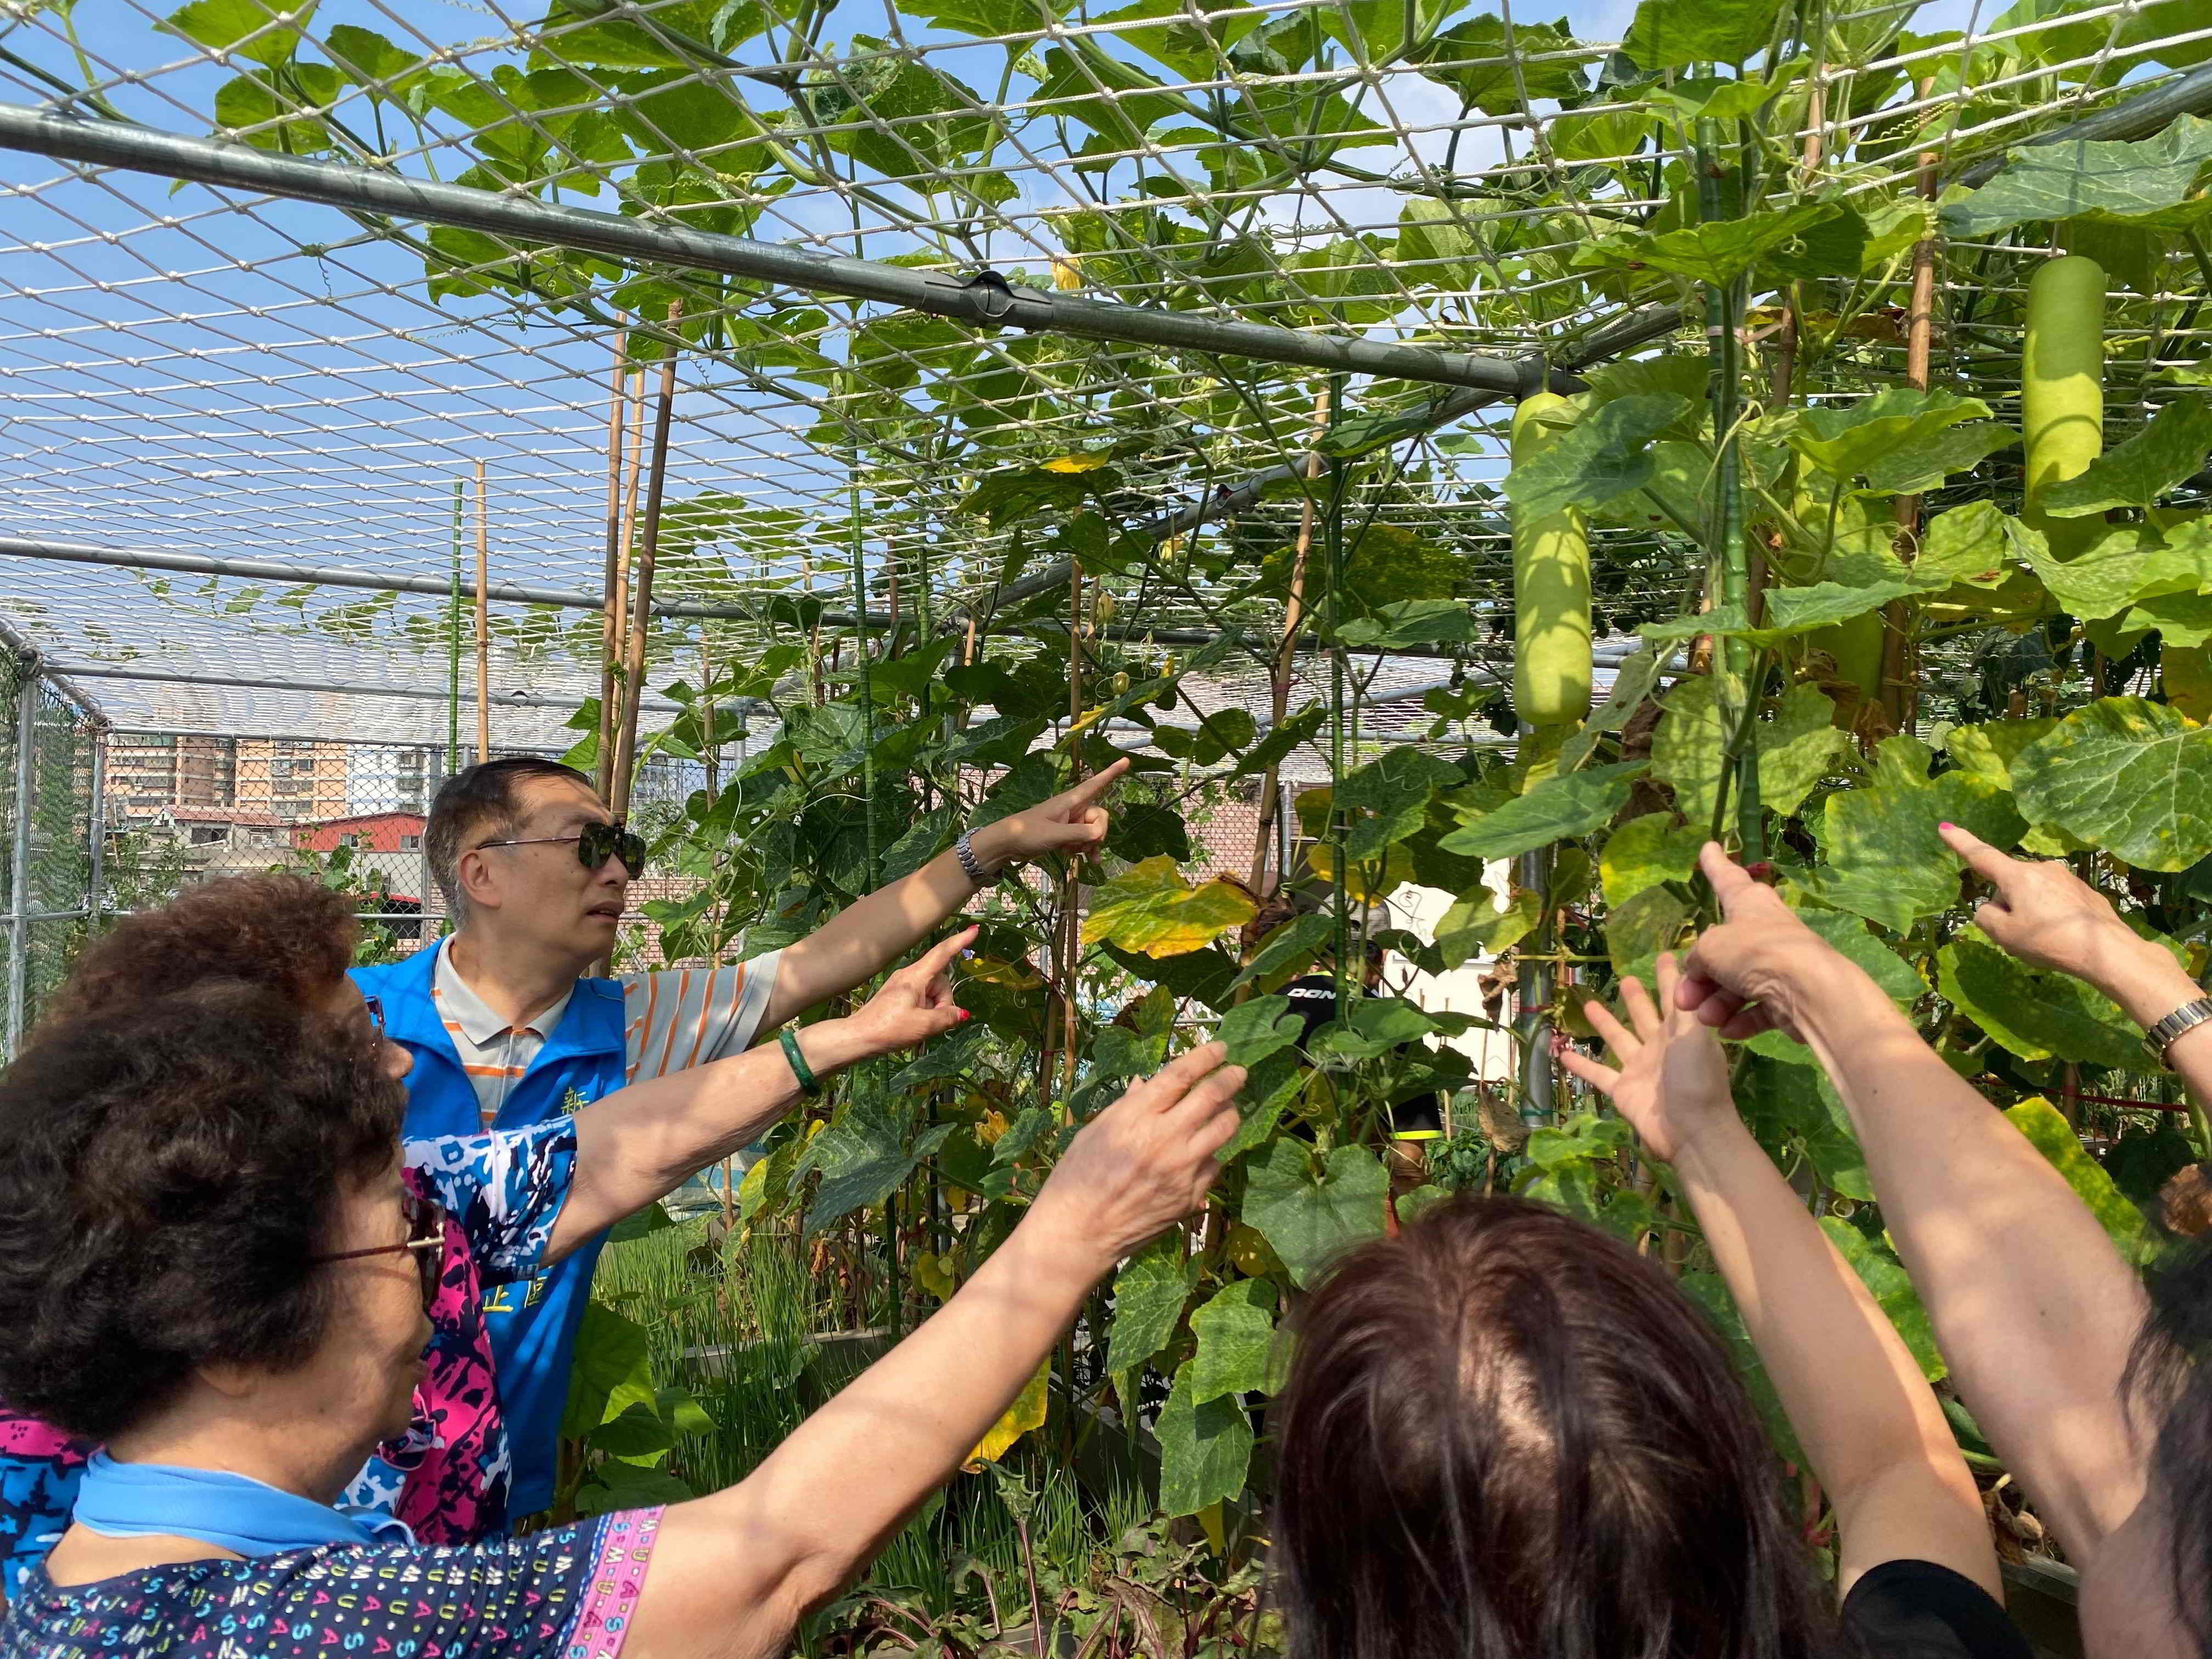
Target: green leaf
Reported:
[(612, 1371), (1811, 240), (1286, 951), (1150, 907), (1263, 1025), (1797, 746), (1236, 1352), (2129, 776), (1928, 463), (1405, 623), (2147, 181), (1897, 977), (267, 33), (1148, 1296), (1194, 51), (1990, 748), (1559, 808), (1480, 922), (616, 1486), (1491, 65), (1689, 750), (1800, 610), (1206, 1450), (1887, 1281), (1847, 441), (365, 55), (1309, 1223), (1673, 34), (1644, 851), (989, 20), (864, 1157), (1600, 457), (1976, 545), (1396, 786), (2137, 472), (1885, 861), (2035, 1015), (2049, 1133), (1638, 929), (2126, 564)]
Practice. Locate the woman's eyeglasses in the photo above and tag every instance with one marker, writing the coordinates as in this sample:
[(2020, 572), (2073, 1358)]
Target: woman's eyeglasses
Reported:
[(426, 1242), (595, 844)]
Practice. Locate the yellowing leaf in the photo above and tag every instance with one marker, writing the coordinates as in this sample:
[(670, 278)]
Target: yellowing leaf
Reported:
[(1149, 907), (933, 1273), (1076, 463), (1026, 1413), (1369, 881)]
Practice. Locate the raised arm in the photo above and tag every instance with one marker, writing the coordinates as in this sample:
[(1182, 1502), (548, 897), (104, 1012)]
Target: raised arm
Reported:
[(2049, 917), (855, 945), (646, 1140), (1867, 1419), (734, 1573), (2034, 1308)]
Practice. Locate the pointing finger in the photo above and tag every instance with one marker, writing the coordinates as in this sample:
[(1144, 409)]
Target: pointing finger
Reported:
[(940, 957), (1097, 784), (1983, 859), (1731, 882)]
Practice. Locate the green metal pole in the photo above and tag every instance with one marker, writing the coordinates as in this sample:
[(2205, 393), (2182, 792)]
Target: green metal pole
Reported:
[(1720, 198)]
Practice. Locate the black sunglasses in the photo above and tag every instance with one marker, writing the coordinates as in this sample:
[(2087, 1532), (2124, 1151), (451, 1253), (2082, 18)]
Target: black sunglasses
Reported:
[(426, 1242), (595, 844)]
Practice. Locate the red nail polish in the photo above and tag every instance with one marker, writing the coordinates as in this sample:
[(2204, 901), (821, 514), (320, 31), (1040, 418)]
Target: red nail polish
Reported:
[(1946, 825), (964, 1013)]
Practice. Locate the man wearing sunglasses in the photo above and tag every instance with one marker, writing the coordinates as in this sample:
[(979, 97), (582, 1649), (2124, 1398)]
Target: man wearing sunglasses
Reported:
[(508, 1027)]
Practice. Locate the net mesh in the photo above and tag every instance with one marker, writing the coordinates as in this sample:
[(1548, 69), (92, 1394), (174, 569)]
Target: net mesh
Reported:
[(195, 374)]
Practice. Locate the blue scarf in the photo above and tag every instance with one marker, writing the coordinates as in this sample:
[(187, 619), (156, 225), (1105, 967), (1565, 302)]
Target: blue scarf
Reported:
[(233, 1512)]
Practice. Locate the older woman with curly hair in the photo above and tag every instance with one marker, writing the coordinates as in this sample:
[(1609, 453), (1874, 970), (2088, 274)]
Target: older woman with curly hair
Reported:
[(210, 1261)]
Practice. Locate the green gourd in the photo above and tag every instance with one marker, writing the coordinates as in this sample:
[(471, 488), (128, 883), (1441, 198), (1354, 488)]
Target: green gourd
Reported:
[(2062, 392), (1550, 589)]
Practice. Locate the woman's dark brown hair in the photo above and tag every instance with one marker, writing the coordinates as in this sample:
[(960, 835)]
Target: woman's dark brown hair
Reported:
[(168, 1169), (1507, 1436), (287, 932)]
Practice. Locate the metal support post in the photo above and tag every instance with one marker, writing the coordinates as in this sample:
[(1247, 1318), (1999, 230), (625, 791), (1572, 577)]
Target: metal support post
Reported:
[(96, 830), (19, 857)]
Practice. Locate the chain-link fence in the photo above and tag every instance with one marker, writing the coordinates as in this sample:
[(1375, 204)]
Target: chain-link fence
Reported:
[(50, 776)]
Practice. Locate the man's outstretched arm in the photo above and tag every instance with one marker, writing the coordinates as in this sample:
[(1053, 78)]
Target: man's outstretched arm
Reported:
[(870, 933)]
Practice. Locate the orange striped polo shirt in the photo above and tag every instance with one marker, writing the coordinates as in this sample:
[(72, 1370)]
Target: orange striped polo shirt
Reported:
[(676, 1018)]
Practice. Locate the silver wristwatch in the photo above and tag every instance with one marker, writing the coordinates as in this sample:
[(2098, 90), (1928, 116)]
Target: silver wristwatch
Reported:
[(964, 850), (2159, 1037)]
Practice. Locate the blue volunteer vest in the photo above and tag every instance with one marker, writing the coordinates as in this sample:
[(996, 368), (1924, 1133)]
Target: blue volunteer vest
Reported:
[(533, 1325)]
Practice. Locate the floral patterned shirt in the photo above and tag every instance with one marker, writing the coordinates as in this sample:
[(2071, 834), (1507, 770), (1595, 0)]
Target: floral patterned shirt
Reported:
[(566, 1593), (447, 1476)]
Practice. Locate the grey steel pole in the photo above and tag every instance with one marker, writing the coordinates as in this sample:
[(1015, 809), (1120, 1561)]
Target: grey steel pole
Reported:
[(19, 858), (96, 829), (101, 670), (986, 299), (1534, 986)]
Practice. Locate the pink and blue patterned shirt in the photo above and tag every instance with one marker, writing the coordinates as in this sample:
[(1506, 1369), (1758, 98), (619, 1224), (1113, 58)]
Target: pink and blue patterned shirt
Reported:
[(569, 1592), (447, 1476)]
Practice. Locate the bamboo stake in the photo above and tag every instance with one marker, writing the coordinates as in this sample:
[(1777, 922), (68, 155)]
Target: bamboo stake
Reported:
[(483, 618), (611, 637), (1070, 925), (640, 609), (1287, 653), (635, 405)]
